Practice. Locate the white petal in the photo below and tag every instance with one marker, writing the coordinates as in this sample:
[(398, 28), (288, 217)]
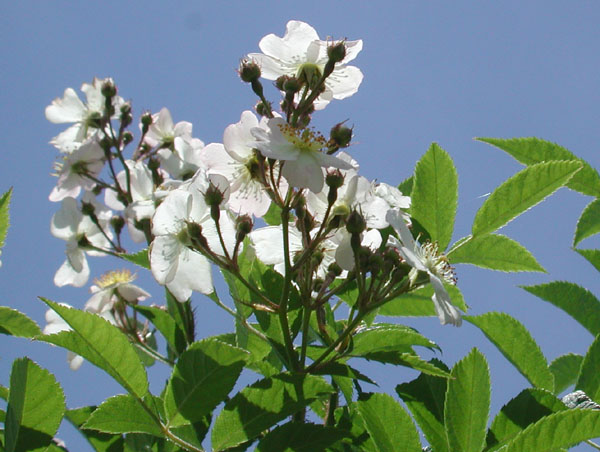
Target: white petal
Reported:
[(193, 274), (444, 308), (305, 172), (68, 109), (344, 81), (66, 274), (164, 257), (170, 215)]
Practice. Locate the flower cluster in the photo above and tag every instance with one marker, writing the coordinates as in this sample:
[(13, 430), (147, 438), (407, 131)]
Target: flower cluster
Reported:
[(198, 205)]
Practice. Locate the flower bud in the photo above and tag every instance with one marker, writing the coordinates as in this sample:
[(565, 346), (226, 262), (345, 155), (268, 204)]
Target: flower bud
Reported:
[(336, 52), (108, 90), (243, 227), (263, 109), (280, 82), (249, 71), (341, 135), (315, 258), (146, 120), (125, 116), (117, 222), (299, 207), (292, 85), (355, 223), (194, 231), (334, 269), (127, 138)]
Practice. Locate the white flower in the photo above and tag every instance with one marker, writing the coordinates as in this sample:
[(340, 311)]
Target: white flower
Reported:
[(299, 52), (85, 116), (186, 157), (72, 172), (163, 132), (426, 258), (300, 151), (71, 225), (173, 263), (112, 287)]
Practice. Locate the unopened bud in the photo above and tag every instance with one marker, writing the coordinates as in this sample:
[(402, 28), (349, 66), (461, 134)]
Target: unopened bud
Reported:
[(280, 82), (334, 269), (117, 223), (146, 120), (355, 223), (127, 138), (249, 70), (109, 90), (292, 85), (336, 52), (194, 231), (341, 135), (125, 116), (300, 207), (243, 227), (263, 109)]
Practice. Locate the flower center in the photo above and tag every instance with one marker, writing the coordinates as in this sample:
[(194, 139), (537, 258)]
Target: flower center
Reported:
[(115, 278), (437, 262), (304, 139), (310, 73)]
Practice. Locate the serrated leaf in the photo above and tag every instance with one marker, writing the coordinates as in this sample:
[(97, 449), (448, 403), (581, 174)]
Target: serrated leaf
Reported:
[(342, 370), (297, 437), (565, 369), (592, 256), (389, 426), (15, 323), (418, 303), (166, 324), (496, 252), (588, 223), (563, 429), (415, 362), (516, 344), (467, 403), (123, 414), (273, 215), (576, 301), (434, 194), (528, 407), (387, 338), (406, 186), (3, 392), (425, 398), (263, 404), (203, 377), (102, 344), (4, 216), (589, 376), (521, 192), (36, 406), (349, 419), (101, 442), (140, 258), (529, 151)]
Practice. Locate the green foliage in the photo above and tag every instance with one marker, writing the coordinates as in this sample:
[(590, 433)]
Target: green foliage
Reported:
[(588, 223), (101, 442), (467, 403), (425, 398), (521, 192), (263, 404), (205, 373), (589, 376), (124, 414), (576, 301), (4, 215), (434, 194), (530, 151), (384, 337), (36, 406), (15, 323), (516, 344), (418, 303), (528, 407), (496, 252), (388, 424), (167, 325), (406, 186), (592, 256), (565, 369), (298, 437), (141, 258), (103, 345)]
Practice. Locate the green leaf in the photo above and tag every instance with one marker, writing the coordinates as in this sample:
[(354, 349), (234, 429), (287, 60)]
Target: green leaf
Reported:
[(205, 373), (434, 195), (467, 404), (297, 437), (588, 223), (102, 344), (406, 186), (101, 442), (262, 405), (123, 414), (388, 424), (4, 217), (563, 429), (349, 419), (385, 337), (521, 192), (576, 301), (15, 323), (342, 370), (496, 252), (418, 303), (273, 215), (3, 392), (592, 256), (425, 398), (529, 151), (417, 363), (565, 369), (516, 344), (166, 324), (589, 376), (36, 406), (528, 407), (140, 258)]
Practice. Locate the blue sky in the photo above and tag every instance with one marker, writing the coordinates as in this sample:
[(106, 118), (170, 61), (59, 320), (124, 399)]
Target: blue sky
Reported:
[(434, 71)]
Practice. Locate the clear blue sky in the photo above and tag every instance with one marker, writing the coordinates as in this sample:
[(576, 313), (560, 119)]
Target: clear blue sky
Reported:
[(434, 71)]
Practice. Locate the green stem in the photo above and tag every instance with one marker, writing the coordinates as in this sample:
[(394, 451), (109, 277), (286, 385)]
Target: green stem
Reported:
[(287, 284), (593, 444), (153, 353)]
